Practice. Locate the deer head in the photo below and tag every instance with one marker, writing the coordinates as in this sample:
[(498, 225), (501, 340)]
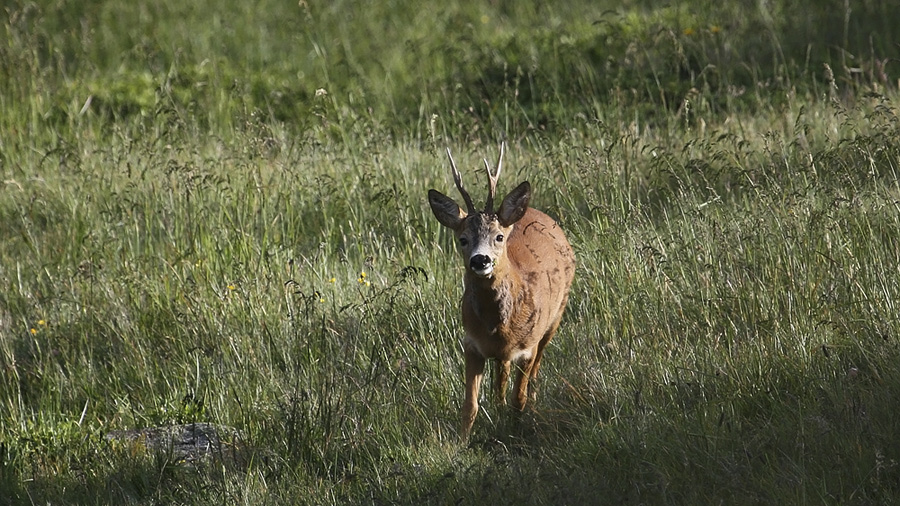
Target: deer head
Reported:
[(481, 235)]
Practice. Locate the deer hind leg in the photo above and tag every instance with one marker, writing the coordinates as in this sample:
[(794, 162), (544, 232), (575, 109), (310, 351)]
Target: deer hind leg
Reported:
[(539, 354), (522, 378), (474, 375), (501, 379)]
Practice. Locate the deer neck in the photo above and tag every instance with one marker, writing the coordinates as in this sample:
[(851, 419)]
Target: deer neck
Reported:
[(494, 297)]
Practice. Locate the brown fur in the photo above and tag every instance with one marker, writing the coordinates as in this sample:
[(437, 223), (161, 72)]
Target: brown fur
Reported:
[(513, 315)]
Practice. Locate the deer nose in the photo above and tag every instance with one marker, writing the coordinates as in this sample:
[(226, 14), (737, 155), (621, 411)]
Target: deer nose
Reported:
[(480, 263)]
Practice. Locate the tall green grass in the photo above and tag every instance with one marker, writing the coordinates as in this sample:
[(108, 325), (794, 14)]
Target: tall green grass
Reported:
[(484, 69), (216, 213)]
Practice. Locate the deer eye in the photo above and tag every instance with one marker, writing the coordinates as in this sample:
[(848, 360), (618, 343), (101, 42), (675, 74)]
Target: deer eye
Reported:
[(463, 241), (499, 238)]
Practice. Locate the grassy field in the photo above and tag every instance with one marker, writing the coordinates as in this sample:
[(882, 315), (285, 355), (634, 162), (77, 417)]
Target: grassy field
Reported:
[(216, 212)]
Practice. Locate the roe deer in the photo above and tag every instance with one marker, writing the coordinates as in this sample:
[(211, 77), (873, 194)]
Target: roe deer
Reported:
[(519, 268)]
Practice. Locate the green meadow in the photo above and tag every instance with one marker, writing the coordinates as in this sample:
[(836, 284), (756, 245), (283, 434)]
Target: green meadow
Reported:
[(215, 212)]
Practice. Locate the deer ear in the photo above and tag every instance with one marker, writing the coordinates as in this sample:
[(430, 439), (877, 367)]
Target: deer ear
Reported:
[(514, 205), (447, 212)]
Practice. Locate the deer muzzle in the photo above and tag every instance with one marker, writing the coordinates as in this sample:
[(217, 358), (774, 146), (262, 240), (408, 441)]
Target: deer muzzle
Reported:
[(481, 265)]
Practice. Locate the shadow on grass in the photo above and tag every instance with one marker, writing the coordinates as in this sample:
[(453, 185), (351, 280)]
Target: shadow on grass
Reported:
[(163, 465), (827, 440)]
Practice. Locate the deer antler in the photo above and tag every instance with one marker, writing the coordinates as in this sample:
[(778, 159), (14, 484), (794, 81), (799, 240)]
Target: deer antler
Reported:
[(458, 180), (492, 179)]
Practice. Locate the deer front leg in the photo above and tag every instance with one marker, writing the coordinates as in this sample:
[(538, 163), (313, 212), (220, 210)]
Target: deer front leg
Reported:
[(474, 374), (500, 381)]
